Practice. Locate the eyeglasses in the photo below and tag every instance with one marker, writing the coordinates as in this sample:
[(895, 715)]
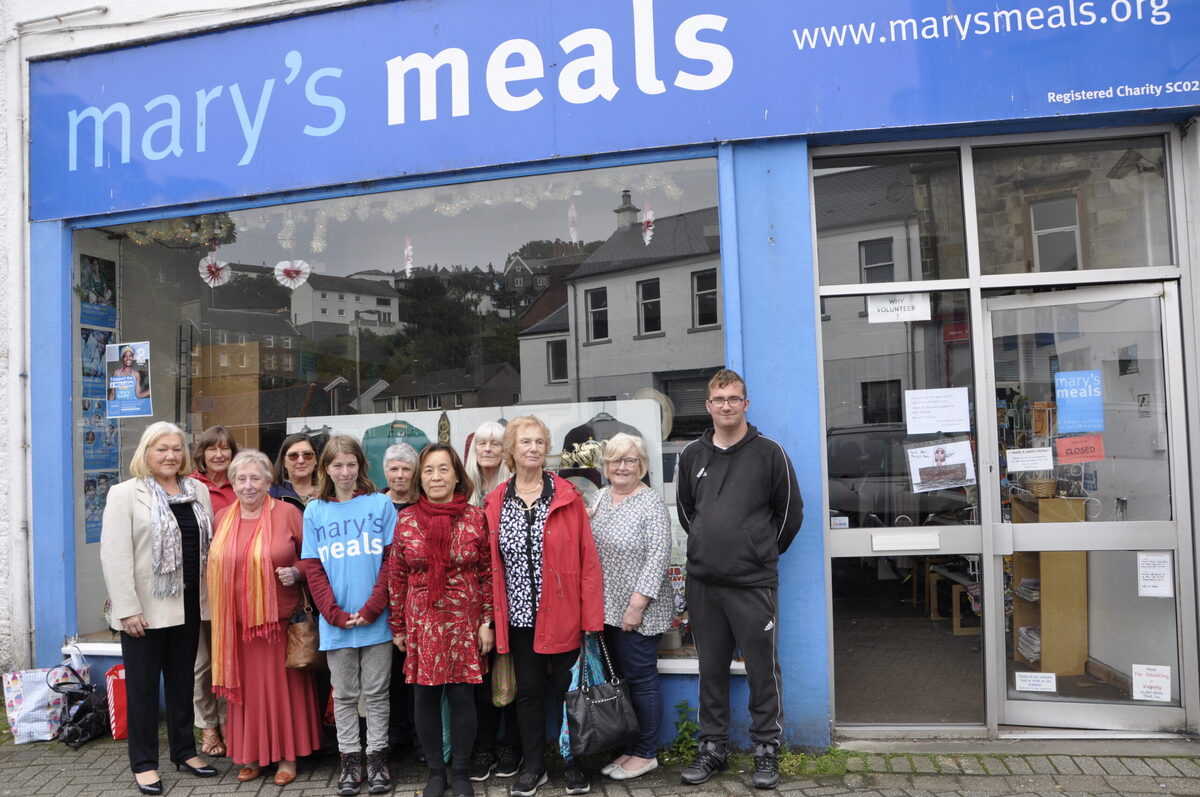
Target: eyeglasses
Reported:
[(628, 462), (733, 401), (305, 455)]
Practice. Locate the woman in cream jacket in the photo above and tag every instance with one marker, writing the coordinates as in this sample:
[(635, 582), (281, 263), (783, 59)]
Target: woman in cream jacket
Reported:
[(153, 547)]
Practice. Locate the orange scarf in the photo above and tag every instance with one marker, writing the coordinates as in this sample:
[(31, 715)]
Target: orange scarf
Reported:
[(253, 601)]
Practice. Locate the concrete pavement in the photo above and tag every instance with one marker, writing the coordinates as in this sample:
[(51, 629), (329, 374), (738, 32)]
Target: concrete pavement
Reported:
[(887, 769)]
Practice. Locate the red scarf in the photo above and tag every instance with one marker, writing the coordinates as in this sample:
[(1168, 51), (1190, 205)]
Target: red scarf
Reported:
[(435, 521)]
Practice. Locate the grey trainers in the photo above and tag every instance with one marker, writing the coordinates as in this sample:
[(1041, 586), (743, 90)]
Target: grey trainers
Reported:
[(710, 759), (766, 767)]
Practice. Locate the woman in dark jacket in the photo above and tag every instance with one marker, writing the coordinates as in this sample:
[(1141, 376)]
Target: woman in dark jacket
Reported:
[(295, 471), (548, 588)]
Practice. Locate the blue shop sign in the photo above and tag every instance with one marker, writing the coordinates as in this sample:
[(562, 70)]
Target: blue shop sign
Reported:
[(428, 86), (1079, 396)]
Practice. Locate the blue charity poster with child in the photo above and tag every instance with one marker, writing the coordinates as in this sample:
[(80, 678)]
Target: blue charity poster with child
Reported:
[(128, 369)]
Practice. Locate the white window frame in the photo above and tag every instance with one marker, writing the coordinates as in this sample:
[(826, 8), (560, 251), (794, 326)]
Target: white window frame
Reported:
[(643, 302), (864, 267), (550, 377), (593, 313), (458, 400), (434, 401), (410, 403), (1035, 234), (697, 293)]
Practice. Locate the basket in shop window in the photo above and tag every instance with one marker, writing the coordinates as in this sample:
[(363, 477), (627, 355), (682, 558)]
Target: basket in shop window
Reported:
[(1042, 488)]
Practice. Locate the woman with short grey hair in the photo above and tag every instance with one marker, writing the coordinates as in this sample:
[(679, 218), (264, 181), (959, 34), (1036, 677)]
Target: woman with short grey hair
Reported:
[(399, 468)]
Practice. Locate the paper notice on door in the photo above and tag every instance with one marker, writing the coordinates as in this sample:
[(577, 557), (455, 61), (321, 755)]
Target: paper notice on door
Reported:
[(1036, 682), (1151, 682), (1080, 448), (1156, 577), (944, 409), (1029, 459), (898, 307)]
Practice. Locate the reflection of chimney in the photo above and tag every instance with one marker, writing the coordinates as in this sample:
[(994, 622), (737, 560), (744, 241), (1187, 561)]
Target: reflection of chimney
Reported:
[(628, 213)]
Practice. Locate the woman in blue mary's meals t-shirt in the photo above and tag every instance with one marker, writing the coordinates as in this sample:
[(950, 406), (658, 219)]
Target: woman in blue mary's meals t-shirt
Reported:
[(348, 527)]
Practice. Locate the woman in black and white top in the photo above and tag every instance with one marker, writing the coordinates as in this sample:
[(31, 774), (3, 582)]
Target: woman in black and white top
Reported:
[(632, 529)]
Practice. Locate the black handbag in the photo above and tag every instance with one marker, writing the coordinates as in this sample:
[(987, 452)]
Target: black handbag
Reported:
[(599, 715), (87, 710)]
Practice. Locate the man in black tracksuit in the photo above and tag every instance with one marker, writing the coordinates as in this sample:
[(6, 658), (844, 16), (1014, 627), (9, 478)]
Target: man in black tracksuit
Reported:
[(740, 506)]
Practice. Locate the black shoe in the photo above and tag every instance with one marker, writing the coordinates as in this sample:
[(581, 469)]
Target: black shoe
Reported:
[(460, 783), (577, 782), (710, 759), (435, 786), (150, 788), (526, 785), (507, 762), (482, 765), (379, 780), (350, 775), (205, 771), (766, 767)]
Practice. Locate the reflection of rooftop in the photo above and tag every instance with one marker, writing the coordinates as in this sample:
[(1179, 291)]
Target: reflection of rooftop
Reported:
[(558, 321), (685, 235), (863, 196), (324, 282), (254, 322), (450, 380)]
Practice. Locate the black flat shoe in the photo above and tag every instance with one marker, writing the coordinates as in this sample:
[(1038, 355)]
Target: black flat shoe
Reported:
[(150, 788), (205, 771)]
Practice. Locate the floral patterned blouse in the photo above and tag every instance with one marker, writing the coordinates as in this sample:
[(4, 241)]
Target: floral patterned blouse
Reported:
[(633, 539), (520, 537)]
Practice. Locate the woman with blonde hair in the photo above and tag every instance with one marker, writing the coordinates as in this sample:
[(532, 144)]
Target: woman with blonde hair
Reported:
[(485, 460), (548, 589), (153, 548), (632, 528), (254, 586)]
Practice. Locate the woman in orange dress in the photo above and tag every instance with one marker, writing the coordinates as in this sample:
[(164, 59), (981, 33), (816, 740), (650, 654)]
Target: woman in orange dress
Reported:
[(254, 586)]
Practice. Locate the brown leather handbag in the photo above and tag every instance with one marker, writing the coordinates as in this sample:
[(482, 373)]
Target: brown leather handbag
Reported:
[(303, 637)]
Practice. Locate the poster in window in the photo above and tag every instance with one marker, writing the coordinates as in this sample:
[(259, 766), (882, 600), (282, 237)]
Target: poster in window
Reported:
[(97, 291), (101, 443), (91, 353), (128, 367), (95, 494), (942, 465)]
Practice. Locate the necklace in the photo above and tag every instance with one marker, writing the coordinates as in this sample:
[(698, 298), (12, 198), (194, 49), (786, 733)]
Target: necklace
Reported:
[(529, 490)]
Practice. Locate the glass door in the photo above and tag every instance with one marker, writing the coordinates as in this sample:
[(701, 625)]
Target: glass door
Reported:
[(1089, 522)]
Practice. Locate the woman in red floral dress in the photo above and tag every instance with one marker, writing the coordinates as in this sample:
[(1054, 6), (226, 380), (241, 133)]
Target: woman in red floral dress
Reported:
[(441, 610)]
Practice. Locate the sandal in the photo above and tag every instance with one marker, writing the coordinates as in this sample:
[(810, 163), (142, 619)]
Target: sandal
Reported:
[(211, 743)]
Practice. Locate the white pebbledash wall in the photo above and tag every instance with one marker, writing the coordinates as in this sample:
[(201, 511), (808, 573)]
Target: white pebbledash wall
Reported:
[(97, 25)]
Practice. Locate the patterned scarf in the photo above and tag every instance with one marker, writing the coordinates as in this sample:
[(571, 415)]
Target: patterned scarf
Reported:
[(435, 520), (166, 543), (253, 599)]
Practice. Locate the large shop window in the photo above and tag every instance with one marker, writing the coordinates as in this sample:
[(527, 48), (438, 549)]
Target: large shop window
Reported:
[(889, 218), (1073, 206), (413, 315), (887, 465)]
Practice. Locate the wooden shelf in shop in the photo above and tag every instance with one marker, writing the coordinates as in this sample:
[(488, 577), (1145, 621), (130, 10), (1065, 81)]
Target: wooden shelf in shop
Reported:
[(1062, 611)]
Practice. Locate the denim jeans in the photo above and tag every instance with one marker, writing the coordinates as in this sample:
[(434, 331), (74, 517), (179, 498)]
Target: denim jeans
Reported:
[(636, 659)]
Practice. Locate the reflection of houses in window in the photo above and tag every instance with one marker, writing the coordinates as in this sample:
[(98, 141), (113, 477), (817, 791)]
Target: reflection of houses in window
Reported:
[(473, 386), (1055, 227), (312, 302), (656, 308), (1072, 205), (881, 401), (875, 260), (884, 218)]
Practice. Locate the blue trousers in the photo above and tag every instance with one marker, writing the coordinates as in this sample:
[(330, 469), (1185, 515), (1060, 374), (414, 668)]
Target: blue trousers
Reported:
[(637, 662)]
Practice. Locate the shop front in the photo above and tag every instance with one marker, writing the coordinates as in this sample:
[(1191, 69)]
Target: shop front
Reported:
[(965, 312)]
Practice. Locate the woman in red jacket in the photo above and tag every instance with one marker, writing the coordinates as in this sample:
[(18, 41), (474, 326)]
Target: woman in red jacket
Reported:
[(548, 588)]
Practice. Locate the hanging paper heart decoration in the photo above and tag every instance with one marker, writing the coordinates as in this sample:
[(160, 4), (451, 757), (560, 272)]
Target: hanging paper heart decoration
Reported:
[(292, 273), (647, 224), (214, 272)]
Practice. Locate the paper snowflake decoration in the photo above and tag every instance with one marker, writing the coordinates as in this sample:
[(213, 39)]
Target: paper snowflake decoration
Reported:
[(291, 273), (214, 272)]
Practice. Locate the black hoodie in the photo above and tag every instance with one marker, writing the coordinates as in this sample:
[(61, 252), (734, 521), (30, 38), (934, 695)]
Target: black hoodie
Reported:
[(741, 508)]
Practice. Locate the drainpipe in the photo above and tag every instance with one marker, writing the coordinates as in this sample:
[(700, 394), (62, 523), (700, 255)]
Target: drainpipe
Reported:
[(573, 331), (20, 562)]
